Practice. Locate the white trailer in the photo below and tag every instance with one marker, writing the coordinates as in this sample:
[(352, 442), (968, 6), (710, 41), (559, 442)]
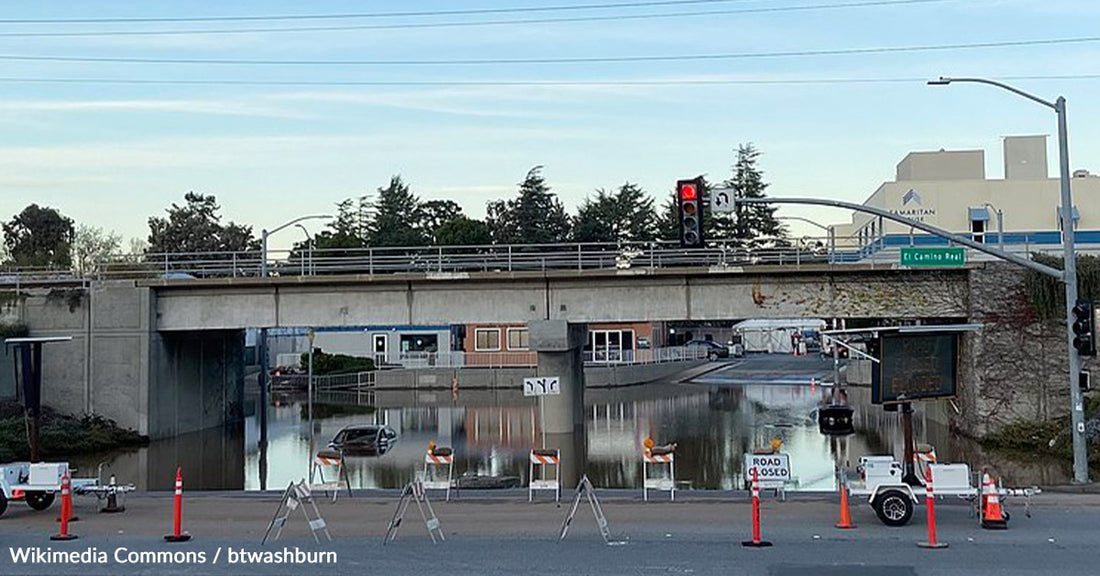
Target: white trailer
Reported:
[(39, 483), (893, 500)]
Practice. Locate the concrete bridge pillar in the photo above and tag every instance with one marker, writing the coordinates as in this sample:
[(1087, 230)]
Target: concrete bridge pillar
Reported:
[(559, 346)]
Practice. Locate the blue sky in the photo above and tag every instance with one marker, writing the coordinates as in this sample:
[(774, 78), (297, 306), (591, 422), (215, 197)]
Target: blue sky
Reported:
[(112, 155)]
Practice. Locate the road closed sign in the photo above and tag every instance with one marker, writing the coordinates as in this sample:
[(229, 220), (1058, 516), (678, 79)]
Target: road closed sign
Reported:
[(546, 386), (772, 470)]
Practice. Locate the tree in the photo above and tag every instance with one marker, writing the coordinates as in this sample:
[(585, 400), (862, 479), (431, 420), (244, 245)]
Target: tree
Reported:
[(196, 227), (395, 218), (463, 231), (92, 244), (623, 216), (536, 216), (39, 236), (668, 220), (434, 214), (752, 221)]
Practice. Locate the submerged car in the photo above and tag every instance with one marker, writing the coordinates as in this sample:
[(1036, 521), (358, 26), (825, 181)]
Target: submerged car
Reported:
[(371, 439)]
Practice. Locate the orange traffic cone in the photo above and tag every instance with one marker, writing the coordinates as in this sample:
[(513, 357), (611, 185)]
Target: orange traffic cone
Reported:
[(66, 509), (845, 522), (813, 384), (992, 518)]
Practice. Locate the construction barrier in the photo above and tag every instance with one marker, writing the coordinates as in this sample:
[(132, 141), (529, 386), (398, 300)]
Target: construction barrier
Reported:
[(992, 516), (414, 492), (584, 488), (659, 455), (756, 542), (438, 457), (326, 459), (930, 504), (297, 496), (542, 459), (66, 509), (177, 534)]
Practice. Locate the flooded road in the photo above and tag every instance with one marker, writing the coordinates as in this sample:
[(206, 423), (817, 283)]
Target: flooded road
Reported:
[(714, 419)]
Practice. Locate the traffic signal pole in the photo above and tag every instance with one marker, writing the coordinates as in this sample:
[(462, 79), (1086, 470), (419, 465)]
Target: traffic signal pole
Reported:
[(1067, 277)]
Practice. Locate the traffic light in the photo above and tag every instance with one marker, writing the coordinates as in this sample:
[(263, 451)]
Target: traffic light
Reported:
[(1084, 329), (689, 198)]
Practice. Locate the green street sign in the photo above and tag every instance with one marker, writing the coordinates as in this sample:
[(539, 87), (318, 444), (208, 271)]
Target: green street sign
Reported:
[(931, 257)]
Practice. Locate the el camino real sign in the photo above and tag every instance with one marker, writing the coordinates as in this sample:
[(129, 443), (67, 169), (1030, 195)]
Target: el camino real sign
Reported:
[(933, 257)]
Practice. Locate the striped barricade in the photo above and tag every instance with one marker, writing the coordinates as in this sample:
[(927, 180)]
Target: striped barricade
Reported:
[(657, 457), (542, 459), (436, 458), (326, 460)]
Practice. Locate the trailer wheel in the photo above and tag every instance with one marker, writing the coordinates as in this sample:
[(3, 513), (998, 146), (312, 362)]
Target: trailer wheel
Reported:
[(3, 502), (893, 508), (39, 500)]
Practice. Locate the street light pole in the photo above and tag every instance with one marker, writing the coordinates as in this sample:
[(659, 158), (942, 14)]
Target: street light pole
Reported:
[(265, 233), (1069, 271), (310, 335)]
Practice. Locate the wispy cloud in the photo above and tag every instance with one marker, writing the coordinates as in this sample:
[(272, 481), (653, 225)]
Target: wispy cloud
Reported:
[(226, 107)]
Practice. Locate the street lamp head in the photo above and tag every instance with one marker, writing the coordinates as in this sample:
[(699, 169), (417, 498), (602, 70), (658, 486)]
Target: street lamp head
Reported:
[(942, 81)]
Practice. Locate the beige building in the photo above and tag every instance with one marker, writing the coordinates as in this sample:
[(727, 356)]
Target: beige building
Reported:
[(949, 189)]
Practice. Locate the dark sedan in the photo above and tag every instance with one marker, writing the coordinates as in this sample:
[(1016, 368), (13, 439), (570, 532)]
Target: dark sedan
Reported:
[(713, 349), (369, 439)]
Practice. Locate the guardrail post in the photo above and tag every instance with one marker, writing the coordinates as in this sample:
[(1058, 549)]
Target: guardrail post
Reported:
[(440, 258), (370, 261), (165, 262), (580, 258), (234, 264)]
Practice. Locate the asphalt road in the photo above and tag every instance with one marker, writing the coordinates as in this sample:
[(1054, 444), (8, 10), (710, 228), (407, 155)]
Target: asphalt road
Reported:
[(781, 369), (698, 534)]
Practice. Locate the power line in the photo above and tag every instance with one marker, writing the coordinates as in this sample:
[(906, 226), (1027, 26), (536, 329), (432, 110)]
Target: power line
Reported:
[(362, 15), (491, 83), (474, 23), (556, 60)]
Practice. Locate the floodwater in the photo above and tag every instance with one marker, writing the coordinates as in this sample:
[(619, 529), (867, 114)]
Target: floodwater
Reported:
[(714, 420)]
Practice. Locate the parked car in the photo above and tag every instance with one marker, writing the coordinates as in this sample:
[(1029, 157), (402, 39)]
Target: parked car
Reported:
[(713, 349), (368, 439)]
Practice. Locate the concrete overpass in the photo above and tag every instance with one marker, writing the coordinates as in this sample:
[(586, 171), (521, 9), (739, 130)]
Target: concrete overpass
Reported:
[(164, 356), (814, 290)]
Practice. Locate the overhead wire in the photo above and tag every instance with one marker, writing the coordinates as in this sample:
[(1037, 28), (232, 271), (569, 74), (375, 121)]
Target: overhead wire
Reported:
[(472, 23), (550, 60), (531, 83)]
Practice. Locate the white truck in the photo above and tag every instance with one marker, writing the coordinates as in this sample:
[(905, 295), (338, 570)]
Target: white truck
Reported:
[(893, 500), (39, 483)]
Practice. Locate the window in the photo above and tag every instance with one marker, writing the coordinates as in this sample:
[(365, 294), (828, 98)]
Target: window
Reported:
[(487, 339), (977, 230), (419, 343), (518, 339)]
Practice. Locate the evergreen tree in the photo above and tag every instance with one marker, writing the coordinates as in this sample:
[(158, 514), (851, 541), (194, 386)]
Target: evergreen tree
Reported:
[(39, 236), (536, 216), (463, 231), (395, 217), (196, 227), (623, 216), (668, 220), (757, 221), (434, 214)]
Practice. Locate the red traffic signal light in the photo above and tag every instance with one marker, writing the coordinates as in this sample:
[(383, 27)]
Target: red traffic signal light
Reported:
[(688, 191)]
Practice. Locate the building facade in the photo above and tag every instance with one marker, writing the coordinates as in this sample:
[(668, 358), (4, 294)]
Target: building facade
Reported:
[(950, 190)]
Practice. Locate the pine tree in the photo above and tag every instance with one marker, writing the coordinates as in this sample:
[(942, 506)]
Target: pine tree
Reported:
[(623, 216), (394, 221), (536, 216), (758, 221)]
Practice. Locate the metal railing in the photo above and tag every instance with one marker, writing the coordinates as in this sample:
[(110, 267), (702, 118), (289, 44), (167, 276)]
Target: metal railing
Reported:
[(527, 359), (348, 382), (458, 259)]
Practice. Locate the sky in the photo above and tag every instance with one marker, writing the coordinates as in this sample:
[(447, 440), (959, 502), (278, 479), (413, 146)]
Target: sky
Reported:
[(114, 154)]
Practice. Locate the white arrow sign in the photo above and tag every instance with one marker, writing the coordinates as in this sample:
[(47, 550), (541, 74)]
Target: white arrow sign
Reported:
[(546, 386), (722, 201)]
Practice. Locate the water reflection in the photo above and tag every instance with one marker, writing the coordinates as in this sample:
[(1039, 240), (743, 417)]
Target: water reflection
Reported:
[(493, 431)]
